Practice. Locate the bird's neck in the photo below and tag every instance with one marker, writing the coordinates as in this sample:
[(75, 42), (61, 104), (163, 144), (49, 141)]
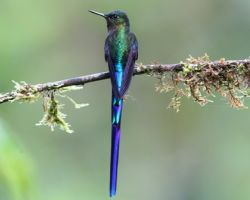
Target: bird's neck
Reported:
[(118, 28)]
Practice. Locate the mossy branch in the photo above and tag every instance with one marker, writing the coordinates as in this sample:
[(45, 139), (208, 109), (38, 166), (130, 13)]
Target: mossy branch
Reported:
[(195, 77), (27, 91)]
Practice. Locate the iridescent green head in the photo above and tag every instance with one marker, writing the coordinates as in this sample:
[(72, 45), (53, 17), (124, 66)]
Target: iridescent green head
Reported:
[(115, 19)]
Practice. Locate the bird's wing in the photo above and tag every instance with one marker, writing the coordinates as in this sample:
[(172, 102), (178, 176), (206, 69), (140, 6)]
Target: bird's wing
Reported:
[(111, 65), (129, 68)]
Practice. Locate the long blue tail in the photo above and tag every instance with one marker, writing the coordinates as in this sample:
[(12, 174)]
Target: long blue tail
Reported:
[(115, 141)]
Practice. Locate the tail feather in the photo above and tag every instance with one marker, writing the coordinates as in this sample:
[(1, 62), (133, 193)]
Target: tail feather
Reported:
[(115, 141)]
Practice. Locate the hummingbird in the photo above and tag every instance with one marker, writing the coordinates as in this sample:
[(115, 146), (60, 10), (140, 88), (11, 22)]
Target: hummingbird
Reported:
[(121, 52)]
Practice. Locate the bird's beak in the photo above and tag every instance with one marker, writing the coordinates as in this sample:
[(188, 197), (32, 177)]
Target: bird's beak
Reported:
[(97, 13)]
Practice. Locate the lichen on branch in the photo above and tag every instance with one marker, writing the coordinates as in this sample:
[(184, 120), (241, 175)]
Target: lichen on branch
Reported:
[(53, 115), (200, 78)]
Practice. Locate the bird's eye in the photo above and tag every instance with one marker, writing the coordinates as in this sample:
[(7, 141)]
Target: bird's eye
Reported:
[(114, 16)]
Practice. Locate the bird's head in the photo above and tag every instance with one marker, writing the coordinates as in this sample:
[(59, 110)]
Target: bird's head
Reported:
[(115, 19)]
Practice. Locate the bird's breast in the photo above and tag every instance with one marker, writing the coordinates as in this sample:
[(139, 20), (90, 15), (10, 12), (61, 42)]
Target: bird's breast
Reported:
[(120, 46), (119, 53)]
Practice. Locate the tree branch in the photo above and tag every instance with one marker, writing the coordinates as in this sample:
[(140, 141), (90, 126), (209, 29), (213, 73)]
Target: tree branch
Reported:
[(197, 78), (192, 63)]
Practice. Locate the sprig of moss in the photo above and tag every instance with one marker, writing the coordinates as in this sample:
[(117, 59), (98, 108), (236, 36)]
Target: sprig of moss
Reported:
[(53, 116)]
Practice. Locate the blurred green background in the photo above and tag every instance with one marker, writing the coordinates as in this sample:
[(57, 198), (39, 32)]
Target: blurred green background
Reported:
[(200, 153)]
